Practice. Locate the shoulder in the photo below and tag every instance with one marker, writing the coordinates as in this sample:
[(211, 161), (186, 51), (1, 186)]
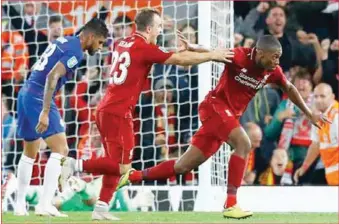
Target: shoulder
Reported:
[(72, 45), (243, 52), (334, 110), (69, 43), (242, 55)]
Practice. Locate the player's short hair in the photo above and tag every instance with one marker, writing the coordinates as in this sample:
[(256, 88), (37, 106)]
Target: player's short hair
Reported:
[(54, 19), (123, 20), (96, 26), (145, 18), (268, 43)]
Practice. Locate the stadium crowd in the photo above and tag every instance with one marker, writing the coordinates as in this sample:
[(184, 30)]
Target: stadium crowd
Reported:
[(166, 116)]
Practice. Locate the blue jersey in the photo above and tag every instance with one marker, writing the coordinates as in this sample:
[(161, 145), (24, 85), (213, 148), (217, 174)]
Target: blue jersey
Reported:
[(68, 51)]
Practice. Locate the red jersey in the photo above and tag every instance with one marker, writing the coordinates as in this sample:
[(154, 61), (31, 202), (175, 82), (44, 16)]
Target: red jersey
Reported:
[(132, 60), (241, 79)]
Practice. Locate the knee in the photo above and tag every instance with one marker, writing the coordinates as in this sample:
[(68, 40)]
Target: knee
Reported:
[(63, 150), (181, 168), (243, 145), (31, 154)]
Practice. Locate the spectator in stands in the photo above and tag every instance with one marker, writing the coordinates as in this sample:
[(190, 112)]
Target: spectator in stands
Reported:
[(290, 127), (304, 12), (36, 41), (167, 38), (14, 63), (275, 24), (185, 80), (314, 41), (150, 124), (330, 65), (165, 117), (316, 71), (54, 28), (166, 124), (255, 134), (122, 27), (145, 153), (260, 111), (325, 140), (81, 111), (273, 174)]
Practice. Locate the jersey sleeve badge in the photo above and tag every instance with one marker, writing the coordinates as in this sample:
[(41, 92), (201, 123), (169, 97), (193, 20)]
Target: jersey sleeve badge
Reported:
[(73, 61)]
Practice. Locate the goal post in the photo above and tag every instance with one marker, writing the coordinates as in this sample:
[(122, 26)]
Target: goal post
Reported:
[(216, 30)]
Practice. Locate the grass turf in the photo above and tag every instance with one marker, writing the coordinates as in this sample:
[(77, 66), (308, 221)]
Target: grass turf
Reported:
[(177, 217)]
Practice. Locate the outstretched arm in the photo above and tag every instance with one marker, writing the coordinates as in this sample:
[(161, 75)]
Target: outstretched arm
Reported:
[(312, 155), (186, 58), (186, 46), (295, 97), (156, 54)]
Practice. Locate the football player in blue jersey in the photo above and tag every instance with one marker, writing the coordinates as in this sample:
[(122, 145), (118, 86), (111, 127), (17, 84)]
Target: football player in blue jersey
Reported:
[(38, 115)]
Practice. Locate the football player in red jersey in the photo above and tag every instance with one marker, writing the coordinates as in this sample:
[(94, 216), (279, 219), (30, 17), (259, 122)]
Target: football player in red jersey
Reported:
[(219, 113), (132, 60)]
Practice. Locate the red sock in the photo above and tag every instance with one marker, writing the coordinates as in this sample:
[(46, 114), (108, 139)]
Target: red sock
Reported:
[(162, 171), (103, 166), (109, 185), (236, 172)]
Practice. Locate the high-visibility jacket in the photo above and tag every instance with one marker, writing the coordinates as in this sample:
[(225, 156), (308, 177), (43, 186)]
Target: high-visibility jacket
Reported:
[(327, 137)]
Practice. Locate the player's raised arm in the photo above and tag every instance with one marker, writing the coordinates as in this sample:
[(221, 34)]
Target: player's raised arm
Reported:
[(189, 54), (58, 71), (295, 97), (186, 58), (268, 53), (186, 45)]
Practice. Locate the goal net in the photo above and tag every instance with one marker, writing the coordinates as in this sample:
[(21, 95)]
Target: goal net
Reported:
[(166, 116)]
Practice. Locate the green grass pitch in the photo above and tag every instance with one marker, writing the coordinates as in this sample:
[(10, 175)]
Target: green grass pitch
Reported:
[(178, 217)]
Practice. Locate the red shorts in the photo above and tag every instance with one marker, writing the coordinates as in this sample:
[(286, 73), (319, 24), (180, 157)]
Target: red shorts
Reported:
[(217, 123), (117, 136)]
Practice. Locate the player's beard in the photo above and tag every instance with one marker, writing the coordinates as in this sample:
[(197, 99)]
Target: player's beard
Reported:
[(260, 64), (91, 51), (267, 66)]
